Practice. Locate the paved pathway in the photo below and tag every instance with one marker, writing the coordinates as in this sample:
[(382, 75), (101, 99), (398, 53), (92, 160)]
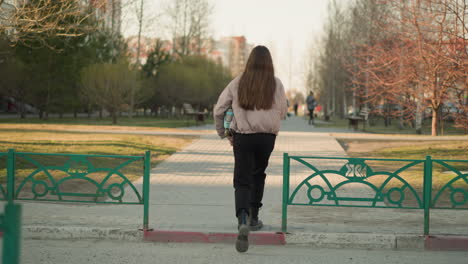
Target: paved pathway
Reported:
[(192, 190), (118, 252)]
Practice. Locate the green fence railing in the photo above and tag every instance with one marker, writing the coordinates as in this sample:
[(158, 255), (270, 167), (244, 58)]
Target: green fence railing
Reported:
[(375, 183), (3, 164), (76, 178), (10, 227)]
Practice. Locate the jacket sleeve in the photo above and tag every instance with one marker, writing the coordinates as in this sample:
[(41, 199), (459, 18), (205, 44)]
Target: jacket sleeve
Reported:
[(223, 104)]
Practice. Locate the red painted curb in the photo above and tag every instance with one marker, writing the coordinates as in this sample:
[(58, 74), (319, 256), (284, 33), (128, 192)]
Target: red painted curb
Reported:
[(199, 237), (446, 243)]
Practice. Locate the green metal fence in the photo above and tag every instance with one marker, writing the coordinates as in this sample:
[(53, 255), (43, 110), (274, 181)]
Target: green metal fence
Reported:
[(10, 225), (380, 188), (3, 164), (75, 178)]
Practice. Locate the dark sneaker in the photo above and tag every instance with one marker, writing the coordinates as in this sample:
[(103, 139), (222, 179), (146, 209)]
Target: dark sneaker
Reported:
[(242, 242), (255, 225)]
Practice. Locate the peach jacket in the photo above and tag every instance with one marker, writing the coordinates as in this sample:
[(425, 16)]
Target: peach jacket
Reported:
[(250, 121)]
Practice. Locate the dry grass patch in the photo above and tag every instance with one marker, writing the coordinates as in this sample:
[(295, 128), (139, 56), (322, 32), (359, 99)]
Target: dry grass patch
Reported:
[(83, 143), (91, 128), (447, 150)]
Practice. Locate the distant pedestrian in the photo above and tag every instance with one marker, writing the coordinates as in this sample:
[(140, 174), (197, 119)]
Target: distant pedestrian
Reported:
[(258, 101), (296, 106), (311, 104)]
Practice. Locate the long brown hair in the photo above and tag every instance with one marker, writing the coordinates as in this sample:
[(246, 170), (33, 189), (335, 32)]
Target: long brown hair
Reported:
[(257, 84)]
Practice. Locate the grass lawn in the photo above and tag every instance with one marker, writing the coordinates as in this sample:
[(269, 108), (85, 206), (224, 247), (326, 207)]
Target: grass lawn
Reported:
[(84, 143), (122, 121), (379, 127), (451, 150)]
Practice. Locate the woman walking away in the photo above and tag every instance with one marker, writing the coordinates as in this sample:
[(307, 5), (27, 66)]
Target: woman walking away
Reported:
[(258, 102), (311, 104)]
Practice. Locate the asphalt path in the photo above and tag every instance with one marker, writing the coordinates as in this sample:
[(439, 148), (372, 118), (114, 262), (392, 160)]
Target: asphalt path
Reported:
[(115, 252)]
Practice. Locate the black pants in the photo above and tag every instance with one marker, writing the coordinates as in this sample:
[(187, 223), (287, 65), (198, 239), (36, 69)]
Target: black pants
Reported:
[(311, 116), (251, 154)]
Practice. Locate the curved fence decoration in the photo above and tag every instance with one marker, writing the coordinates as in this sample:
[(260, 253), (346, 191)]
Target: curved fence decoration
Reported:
[(383, 189), (77, 167), (44, 176), (356, 171), (458, 196)]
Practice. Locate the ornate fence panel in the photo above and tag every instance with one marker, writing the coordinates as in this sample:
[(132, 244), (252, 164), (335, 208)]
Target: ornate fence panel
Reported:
[(374, 183), (77, 178), (454, 192), (46, 177)]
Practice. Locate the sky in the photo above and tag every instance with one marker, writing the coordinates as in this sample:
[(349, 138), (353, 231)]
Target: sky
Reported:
[(287, 27)]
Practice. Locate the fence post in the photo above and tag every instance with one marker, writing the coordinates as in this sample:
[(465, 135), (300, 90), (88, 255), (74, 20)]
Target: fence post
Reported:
[(146, 193), (11, 175), (427, 193), (11, 223), (286, 163)]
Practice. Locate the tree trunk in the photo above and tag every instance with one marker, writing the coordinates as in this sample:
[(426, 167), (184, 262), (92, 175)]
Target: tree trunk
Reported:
[(325, 112), (401, 123), (137, 64), (354, 102), (386, 113), (60, 114), (345, 106), (100, 113), (48, 88), (434, 122), (440, 121), (89, 111), (22, 110), (114, 117), (418, 121), (41, 114), (333, 103), (75, 113), (113, 15), (132, 103), (140, 26)]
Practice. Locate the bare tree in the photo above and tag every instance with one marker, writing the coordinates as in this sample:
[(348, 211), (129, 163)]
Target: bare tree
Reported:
[(421, 61), (189, 24), (33, 23)]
